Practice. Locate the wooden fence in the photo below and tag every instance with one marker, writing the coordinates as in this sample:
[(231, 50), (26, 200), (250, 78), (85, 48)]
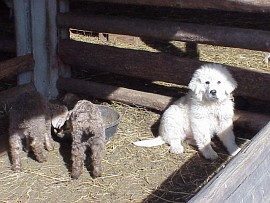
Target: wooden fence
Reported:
[(231, 183), (42, 41)]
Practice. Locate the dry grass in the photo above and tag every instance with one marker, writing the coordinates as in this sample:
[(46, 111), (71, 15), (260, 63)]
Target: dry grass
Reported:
[(131, 174)]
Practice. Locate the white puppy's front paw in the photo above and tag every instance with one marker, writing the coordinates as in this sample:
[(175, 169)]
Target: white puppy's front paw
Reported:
[(209, 153), (177, 150), (211, 156), (235, 152)]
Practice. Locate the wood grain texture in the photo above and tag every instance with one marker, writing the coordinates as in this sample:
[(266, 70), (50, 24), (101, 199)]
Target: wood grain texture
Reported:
[(245, 178), (109, 92), (155, 66), (15, 66), (149, 100), (227, 5), (169, 30)]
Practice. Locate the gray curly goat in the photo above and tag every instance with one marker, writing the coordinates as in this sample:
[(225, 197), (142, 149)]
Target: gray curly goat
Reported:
[(30, 118), (88, 132)]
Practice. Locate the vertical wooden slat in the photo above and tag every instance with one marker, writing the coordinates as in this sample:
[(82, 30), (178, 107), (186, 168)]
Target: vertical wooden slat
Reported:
[(53, 65), (22, 17), (64, 8), (38, 17), (64, 70)]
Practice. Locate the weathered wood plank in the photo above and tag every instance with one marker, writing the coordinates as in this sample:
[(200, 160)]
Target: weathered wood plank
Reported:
[(238, 180), (155, 66), (169, 30), (64, 70), (64, 7), (248, 120), (54, 66), (236, 5), (39, 43), (22, 18), (16, 66), (109, 92)]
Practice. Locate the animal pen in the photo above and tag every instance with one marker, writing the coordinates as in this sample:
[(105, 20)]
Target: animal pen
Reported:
[(46, 53)]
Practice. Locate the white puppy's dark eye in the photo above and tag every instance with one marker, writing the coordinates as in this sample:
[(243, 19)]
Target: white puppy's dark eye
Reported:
[(207, 82), (218, 82)]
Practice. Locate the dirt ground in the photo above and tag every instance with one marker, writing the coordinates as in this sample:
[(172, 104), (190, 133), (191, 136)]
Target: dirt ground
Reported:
[(130, 173)]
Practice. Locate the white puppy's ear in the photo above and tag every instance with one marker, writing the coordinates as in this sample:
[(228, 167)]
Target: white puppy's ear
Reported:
[(196, 86), (231, 85)]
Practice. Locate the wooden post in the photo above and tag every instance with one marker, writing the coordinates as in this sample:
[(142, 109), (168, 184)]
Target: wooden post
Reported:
[(22, 17), (64, 8), (53, 41), (39, 35), (64, 69)]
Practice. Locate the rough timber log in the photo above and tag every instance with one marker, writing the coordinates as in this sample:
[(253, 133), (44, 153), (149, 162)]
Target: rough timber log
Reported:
[(153, 101), (168, 30), (109, 92), (227, 5), (155, 66), (16, 66)]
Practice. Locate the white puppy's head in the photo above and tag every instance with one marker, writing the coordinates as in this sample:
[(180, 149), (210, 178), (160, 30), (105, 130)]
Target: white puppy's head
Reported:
[(212, 82)]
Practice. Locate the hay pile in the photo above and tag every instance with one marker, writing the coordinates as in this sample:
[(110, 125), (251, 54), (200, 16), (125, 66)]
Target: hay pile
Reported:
[(131, 174)]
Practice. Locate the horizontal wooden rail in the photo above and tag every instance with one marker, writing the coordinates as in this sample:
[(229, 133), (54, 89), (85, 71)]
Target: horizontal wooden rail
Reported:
[(252, 121), (16, 65), (169, 30), (155, 66), (227, 5), (109, 92)]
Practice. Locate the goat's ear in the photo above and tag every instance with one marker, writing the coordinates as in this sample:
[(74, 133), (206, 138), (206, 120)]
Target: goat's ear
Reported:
[(196, 87)]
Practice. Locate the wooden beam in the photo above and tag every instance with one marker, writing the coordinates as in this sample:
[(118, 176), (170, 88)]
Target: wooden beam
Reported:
[(158, 102), (155, 66), (64, 7), (22, 20), (227, 5), (109, 92), (54, 66), (39, 43), (169, 30), (245, 178), (63, 69), (16, 66), (245, 120)]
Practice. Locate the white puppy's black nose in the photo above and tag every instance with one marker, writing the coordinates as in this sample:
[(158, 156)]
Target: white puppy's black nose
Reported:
[(213, 92)]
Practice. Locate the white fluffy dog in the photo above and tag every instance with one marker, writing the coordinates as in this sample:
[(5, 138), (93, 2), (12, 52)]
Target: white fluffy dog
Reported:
[(206, 110)]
